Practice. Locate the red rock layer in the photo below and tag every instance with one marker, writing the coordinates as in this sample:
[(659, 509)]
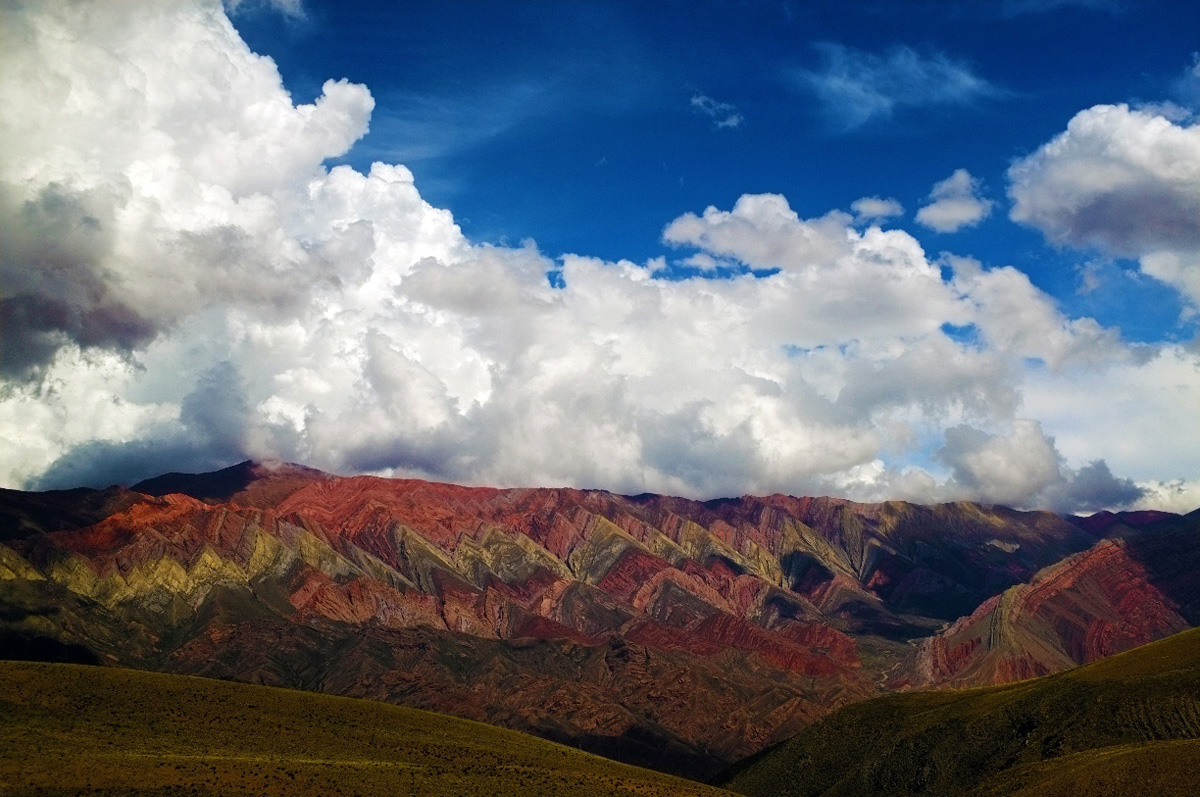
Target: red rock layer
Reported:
[(1090, 606), (678, 633)]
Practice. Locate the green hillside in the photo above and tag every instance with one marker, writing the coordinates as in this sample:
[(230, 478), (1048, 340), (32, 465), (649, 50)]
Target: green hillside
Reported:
[(69, 729), (1126, 725)]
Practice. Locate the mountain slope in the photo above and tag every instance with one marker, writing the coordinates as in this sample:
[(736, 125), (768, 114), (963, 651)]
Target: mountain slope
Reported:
[(1105, 725), (256, 484), (1140, 584), (67, 729), (665, 632)]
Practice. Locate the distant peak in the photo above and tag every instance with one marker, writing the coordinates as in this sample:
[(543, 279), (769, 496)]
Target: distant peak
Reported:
[(250, 482)]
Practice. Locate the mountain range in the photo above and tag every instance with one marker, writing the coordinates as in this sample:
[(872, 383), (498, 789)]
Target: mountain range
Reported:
[(677, 634)]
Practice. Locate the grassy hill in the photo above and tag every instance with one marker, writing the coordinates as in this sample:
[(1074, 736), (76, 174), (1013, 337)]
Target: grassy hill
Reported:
[(1126, 725), (70, 729)]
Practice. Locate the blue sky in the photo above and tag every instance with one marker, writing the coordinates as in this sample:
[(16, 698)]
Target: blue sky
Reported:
[(921, 250), (574, 124)]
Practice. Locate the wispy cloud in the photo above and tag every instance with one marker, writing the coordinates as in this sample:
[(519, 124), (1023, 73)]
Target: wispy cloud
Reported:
[(856, 86), (415, 128), (289, 8), (1018, 7), (1187, 86), (725, 116)]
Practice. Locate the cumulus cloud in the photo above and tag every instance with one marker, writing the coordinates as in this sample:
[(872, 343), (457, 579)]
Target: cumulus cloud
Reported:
[(128, 203), (875, 209), (955, 203), (1177, 495), (1022, 467), (1145, 409), (856, 87), (1013, 316), (190, 285), (724, 115), (1123, 181)]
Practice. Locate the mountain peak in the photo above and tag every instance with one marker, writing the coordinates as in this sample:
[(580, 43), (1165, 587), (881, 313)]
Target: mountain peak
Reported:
[(257, 483)]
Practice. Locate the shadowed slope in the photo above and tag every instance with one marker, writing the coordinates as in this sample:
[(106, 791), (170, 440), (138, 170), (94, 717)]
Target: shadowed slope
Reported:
[(1129, 720), (67, 730), (257, 484), (24, 514)]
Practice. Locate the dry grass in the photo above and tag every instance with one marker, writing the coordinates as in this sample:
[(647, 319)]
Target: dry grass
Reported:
[(68, 729)]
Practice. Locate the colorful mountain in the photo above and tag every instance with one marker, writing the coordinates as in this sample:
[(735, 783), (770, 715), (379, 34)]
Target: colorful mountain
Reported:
[(679, 634), (1137, 585)]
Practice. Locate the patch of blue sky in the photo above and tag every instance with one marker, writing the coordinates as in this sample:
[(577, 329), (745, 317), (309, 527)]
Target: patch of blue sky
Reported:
[(966, 334)]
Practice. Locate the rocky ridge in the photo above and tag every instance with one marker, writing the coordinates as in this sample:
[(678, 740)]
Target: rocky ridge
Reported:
[(657, 630)]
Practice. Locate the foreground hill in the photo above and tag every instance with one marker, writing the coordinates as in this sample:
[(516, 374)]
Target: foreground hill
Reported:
[(69, 729), (660, 631), (1126, 725)]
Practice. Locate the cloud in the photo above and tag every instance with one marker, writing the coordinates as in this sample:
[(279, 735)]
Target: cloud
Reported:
[(417, 128), (1145, 409), (1123, 181), (1187, 86), (191, 286), (1013, 316), (126, 206), (1023, 468), (724, 115), (874, 209), (856, 87), (956, 202), (1010, 467), (1177, 495), (208, 435)]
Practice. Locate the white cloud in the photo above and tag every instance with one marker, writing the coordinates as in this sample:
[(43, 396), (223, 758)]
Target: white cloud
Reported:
[(1126, 182), (724, 115), (856, 87), (1174, 496), (956, 202), (1011, 467), (192, 286), (874, 209), (1015, 317), (1139, 415), (151, 187), (1022, 467)]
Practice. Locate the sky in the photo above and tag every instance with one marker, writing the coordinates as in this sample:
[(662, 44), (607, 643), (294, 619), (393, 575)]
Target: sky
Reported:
[(926, 251)]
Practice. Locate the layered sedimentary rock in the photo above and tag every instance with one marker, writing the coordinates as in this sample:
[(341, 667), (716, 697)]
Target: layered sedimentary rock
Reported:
[(1140, 584), (658, 630)]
